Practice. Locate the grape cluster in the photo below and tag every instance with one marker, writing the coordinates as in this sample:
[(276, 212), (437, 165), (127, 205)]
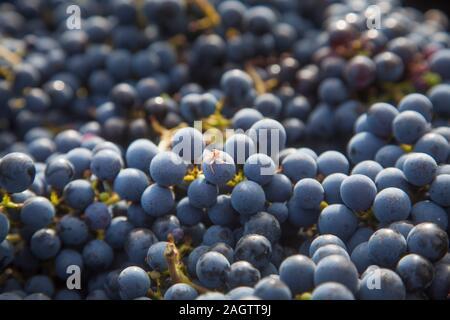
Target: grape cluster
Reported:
[(334, 183)]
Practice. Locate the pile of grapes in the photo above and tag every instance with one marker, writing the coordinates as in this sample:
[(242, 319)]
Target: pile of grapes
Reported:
[(224, 149)]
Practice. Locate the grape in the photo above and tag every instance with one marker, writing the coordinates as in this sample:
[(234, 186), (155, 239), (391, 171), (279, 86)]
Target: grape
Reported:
[(331, 186), (439, 63), (263, 224), (428, 211), (336, 268), (416, 272), (218, 167), (440, 285), (323, 240), (358, 192), (81, 159), (240, 147), (17, 172), (156, 256), (4, 226), (440, 190), (279, 189), (392, 178), (241, 293), (140, 154), (248, 197), (338, 220), (157, 200), (409, 126), (130, 184), (66, 258), (37, 212), (212, 269), (255, 249), (72, 230), (389, 66), (216, 234), (331, 162), (106, 164), (40, 284), (333, 91), (193, 258), (259, 168), (360, 72), (268, 134), (388, 285), (388, 155), (299, 166), (297, 272), (363, 146), (137, 244), (133, 283), (417, 102), (188, 214), (419, 169), (360, 257), (222, 213), (180, 291), (166, 225), (45, 244), (332, 291), (98, 216), (97, 255), (279, 210), (244, 119), (391, 204), (368, 168), (361, 235), (167, 169), (272, 288), (117, 232), (242, 273), (438, 95), (386, 246), (428, 240), (379, 119)]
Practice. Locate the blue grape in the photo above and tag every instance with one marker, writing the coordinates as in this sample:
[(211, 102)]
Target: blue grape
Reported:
[(167, 169), (245, 118), (97, 255), (188, 214), (37, 212), (117, 232), (98, 216), (240, 293), (188, 143), (392, 178), (419, 169), (212, 269), (259, 168), (381, 284), (45, 244), (389, 66), (106, 164), (332, 186), (409, 126), (428, 240), (360, 257), (130, 184), (81, 159), (323, 240), (59, 172), (248, 197), (379, 119), (255, 249), (216, 234), (263, 224), (193, 258), (156, 258), (336, 268), (157, 200), (137, 244), (40, 284), (386, 247), (239, 146), (331, 162), (358, 192), (297, 272), (202, 194), (368, 168), (66, 258), (272, 288), (4, 226), (429, 211), (264, 134), (133, 283), (434, 145), (72, 230), (140, 154), (438, 96), (309, 193), (279, 210), (416, 272), (279, 189), (338, 220), (388, 155), (222, 213), (440, 190), (167, 225), (78, 194), (391, 204), (180, 291), (441, 282), (363, 146), (361, 235), (242, 273), (299, 166), (417, 102), (218, 167), (332, 291)]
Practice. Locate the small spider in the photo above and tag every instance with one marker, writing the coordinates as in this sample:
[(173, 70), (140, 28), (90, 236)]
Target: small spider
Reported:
[(214, 157)]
